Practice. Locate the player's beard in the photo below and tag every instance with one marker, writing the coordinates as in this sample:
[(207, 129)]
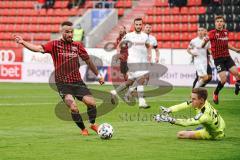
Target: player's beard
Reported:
[(138, 30), (68, 39)]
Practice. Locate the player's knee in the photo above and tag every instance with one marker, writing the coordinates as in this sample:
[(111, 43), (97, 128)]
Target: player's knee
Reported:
[(69, 101), (223, 80), (89, 101), (74, 109), (205, 78), (209, 77)]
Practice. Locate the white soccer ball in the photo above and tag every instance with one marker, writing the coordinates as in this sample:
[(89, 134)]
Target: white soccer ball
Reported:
[(105, 131)]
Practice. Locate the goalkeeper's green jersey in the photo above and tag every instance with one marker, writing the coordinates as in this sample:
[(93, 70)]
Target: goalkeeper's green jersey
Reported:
[(207, 116)]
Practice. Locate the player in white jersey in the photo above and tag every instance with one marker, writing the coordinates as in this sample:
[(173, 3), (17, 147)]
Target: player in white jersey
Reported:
[(139, 53), (200, 57), (154, 44)]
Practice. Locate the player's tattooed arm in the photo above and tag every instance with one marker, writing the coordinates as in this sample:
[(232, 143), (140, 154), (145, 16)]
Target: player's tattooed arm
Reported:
[(233, 48), (30, 46), (93, 68)]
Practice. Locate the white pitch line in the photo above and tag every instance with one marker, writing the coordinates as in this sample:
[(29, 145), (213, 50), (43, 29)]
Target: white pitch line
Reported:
[(24, 104)]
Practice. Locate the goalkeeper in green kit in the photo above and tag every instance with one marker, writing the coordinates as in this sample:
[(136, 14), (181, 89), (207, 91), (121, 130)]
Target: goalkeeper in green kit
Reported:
[(213, 124)]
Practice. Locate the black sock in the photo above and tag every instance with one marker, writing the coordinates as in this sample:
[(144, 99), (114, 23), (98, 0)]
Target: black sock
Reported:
[(76, 117), (92, 113), (195, 82), (219, 87), (237, 83)]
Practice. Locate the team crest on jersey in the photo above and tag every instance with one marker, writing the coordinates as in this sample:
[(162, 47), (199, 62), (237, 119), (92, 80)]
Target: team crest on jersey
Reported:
[(217, 34), (225, 33)]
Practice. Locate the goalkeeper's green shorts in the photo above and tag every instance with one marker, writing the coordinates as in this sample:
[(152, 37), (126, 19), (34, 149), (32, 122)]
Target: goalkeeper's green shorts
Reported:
[(204, 134)]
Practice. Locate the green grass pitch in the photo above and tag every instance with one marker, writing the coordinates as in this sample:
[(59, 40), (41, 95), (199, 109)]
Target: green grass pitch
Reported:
[(30, 130)]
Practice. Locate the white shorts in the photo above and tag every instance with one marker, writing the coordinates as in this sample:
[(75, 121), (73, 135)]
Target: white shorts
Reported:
[(201, 69), (137, 74)]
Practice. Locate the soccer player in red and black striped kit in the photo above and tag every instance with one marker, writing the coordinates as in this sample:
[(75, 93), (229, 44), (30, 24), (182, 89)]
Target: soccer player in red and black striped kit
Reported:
[(65, 54), (122, 52), (223, 62)]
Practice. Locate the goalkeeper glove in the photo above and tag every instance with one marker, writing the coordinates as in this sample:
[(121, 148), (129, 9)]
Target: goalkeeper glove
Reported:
[(165, 111), (163, 118)]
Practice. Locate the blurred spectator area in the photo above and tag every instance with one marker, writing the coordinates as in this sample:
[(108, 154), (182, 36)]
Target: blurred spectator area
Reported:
[(36, 24)]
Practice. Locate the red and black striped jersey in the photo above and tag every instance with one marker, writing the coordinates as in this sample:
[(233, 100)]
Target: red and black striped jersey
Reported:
[(219, 43), (65, 57)]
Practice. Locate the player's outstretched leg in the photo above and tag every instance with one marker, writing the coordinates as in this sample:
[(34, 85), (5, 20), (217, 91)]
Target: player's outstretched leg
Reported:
[(76, 117), (119, 89), (236, 74), (237, 87), (195, 81), (220, 85), (128, 94), (91, 111)]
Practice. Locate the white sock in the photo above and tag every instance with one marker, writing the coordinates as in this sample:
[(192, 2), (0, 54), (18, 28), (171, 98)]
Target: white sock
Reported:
[(113, 92), (140, 91), (199, 83)]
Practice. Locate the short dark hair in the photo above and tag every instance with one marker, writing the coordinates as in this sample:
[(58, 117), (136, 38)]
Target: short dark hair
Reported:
[(138, 19), (219, 17), (67, 23), (201, 92)]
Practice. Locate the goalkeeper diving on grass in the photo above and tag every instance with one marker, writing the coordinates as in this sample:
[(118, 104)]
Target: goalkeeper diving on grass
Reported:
[(213, 124)]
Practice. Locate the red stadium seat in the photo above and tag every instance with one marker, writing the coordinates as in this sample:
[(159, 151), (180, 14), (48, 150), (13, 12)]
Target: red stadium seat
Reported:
[(231, 36), (176, 45), (237, 44), (193, 18), (184, 27), (184, 10), (159, 27), (175, 27), (159, 37), (193, 10), (159, 19), (176, 19), (160, 44), (185, 18), (167, 19), (237, 36), (184, 44), (201, 10), (186, 36), (167, 27), (166, 10), (174, 10), (166, 36), (167, 44), (128, 4), (175, 36), (161, 3), (120, 12), (192, 27)]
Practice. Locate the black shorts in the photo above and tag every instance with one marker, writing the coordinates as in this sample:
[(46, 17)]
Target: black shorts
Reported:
[(223, 64), (123, 67), (76, 89), (209, 69)]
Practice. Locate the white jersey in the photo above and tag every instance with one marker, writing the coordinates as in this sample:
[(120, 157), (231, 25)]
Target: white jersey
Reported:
[(152, 41), (200, 61), (137, 51), (196, 45)]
